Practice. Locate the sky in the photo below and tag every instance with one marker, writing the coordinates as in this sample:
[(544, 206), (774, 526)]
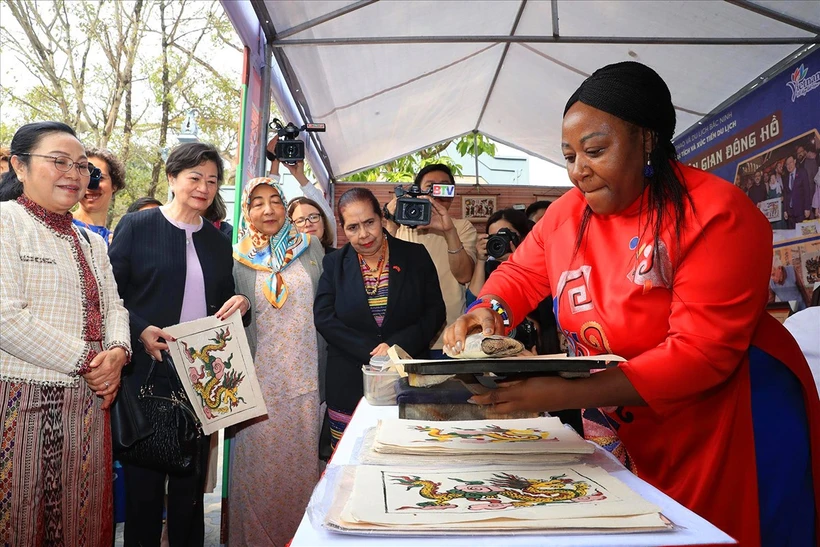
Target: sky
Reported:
[(542, 171)]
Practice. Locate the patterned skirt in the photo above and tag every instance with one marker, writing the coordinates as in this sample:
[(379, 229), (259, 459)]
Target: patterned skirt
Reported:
[(338, 424), (55, 467)]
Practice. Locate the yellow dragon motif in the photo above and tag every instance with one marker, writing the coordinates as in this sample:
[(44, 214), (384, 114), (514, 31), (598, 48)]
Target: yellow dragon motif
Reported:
[(489, 433), (518, 491), (214, 382)]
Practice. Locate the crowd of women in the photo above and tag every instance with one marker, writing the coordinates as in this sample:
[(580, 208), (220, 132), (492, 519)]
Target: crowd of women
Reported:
[(715, 404), (77, 298)]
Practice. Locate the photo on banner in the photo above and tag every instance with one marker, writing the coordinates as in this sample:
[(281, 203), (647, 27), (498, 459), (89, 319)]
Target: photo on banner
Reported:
[(756, 142), (795, 271), (777, 182)]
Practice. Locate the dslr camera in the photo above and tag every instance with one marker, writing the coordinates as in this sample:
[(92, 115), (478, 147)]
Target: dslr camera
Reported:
[(499, 243), (412, 210), (96, 176), (291, 149), (526, 333)]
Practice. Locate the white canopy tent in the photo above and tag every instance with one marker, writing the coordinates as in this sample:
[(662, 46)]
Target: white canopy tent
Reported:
[(391, 77)]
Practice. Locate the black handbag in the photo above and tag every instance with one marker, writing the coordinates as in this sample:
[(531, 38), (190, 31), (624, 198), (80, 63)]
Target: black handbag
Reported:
[(174, 445), (128, 423)]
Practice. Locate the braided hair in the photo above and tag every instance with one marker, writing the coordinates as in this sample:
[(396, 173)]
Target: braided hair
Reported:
[(636, 94)]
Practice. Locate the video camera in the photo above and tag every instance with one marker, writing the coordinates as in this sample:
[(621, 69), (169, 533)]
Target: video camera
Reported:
[(290, 149), (499, 243), (412, 210)]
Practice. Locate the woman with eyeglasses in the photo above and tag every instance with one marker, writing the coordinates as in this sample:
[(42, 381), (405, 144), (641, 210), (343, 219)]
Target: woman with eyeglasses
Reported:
[(64, 339), (310, 214), (308, 217)]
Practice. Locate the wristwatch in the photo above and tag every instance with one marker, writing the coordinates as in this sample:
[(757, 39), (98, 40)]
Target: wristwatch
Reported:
[(387, 215), (270, 155)]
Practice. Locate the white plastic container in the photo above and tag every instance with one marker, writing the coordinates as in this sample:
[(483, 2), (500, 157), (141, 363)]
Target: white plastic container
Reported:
[(380, 388)]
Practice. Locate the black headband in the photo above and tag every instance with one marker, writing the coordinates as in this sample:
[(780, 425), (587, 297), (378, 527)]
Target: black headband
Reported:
[(633, 92)]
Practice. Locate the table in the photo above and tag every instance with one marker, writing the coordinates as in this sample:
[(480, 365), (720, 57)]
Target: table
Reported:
[(692, 529)]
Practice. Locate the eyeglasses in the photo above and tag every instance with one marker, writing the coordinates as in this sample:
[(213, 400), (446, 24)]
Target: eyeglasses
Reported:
[(64, 164), (313, 219)]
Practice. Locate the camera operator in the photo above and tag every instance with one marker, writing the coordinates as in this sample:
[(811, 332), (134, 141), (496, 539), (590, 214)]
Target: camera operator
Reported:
[(450, 242), (506, 229), (308, 189)]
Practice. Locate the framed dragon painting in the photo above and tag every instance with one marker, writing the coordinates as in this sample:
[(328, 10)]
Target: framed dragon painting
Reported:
[(213, 361)]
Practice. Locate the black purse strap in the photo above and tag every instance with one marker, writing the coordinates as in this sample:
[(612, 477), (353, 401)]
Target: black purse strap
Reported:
[(173, 377)]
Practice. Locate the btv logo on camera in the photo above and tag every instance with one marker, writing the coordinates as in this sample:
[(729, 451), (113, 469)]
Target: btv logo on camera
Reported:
[(444, 191)]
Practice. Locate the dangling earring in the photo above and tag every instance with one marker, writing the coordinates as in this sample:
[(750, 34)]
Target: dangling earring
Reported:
[(648, 170)]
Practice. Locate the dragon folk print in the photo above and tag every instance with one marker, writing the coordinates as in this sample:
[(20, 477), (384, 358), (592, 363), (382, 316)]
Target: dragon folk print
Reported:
[(486, 434), (500, 492), (213, 380)]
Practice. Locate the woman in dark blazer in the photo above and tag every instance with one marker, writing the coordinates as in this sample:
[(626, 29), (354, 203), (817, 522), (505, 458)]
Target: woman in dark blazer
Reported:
[(374, 292), (171, 267)]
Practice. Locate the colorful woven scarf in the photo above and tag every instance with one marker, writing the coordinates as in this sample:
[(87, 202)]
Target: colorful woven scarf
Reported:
[(269, 254)]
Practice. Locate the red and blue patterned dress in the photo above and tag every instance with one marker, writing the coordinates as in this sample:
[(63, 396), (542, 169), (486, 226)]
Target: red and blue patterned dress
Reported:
[(732, 426)]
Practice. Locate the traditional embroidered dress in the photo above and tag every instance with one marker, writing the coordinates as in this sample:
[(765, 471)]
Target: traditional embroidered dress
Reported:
[(58, 308), (274, 458), (732, 423)]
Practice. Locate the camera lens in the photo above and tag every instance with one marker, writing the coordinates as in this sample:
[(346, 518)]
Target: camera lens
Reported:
[(413, 211), (497, 246)]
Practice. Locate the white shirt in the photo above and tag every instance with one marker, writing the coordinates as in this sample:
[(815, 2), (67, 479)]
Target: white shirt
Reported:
[(805, 327)]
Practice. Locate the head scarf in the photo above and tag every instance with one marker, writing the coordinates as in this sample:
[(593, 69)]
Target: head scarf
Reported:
[(632, 92), (265, 253)]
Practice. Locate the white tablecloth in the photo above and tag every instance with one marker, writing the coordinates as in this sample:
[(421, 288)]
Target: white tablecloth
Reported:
[(691, 529)]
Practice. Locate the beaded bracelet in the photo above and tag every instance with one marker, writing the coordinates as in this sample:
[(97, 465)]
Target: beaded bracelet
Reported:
[(493, 305)]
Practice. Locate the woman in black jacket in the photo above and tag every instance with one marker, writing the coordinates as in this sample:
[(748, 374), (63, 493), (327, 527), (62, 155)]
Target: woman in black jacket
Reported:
[(374, 292), (171, 266)]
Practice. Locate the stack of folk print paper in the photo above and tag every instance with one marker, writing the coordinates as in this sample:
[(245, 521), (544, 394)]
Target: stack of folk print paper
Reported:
[(512, 484), (486, 438), (570, 498)]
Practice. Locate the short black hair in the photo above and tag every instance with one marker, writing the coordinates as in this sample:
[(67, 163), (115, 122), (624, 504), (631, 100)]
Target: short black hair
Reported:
[(139, 203), (26, 139), (192, 154), (431, 168), (536, 206), (355, 195), (517, 218)]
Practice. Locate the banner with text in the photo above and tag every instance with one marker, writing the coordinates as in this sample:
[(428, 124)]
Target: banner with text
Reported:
[(766, 143)]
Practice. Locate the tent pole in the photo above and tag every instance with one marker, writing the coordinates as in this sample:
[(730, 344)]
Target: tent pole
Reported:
[(500, 64), (325, 18), (777, 16), (634, 40), (475, 154)]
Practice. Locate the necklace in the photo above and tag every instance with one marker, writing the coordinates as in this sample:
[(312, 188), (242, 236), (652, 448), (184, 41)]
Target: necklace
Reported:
[(189, 229), (372, 282)]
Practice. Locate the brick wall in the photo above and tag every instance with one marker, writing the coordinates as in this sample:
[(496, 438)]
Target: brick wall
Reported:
[(506, 196)]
